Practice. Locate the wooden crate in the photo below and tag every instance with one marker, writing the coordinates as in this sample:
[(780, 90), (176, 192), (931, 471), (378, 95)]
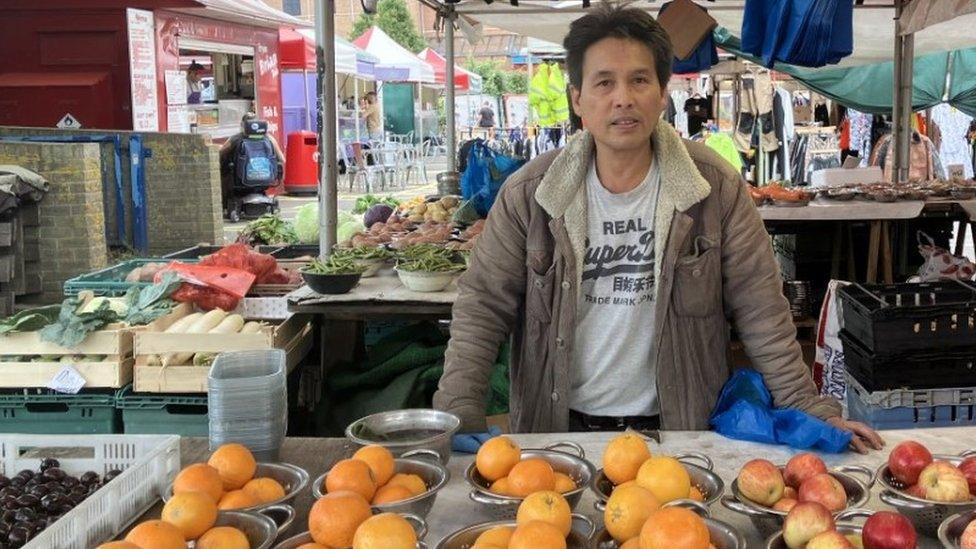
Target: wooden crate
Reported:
[(293, 335)]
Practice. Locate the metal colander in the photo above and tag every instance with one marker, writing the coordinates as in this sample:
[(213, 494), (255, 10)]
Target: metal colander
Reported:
[(465, 537), (952, 528), (926, 515), (702, 477), (776, 541), (721, 535), (768, 520), (419, 526)]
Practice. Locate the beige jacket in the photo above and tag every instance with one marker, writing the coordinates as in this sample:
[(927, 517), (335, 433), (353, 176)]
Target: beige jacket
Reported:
[(714, 264)]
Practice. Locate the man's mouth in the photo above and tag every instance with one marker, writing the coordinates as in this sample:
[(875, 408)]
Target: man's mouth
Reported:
[(624, 123)]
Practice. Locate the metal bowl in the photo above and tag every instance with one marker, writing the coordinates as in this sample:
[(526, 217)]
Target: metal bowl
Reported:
[(702, 477), (721, 535), (465, 537), (952, 528), (775, 541), (768, 520), (419, 526), (400, 431), (434, 475), (260, 529), (504, 507), (926, 515)]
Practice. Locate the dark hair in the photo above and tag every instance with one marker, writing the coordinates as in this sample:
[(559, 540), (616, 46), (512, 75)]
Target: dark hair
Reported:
[(370, 96), (617, 21)]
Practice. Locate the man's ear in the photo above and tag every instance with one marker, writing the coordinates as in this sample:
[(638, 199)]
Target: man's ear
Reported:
[(574, 95)]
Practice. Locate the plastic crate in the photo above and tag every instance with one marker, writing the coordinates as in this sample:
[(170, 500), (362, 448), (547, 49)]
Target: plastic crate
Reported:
[(294, 251), (111, 280), (148, 463), (200, 250), (157, 414), (47, 412), (890, 319), (931, 370), (878, 416)]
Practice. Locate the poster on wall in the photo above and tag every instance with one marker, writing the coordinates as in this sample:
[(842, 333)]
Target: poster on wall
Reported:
[(176, 88), (516, 110), (142, 70)]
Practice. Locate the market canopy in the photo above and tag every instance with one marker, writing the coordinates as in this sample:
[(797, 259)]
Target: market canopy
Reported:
[(921, 14), (397, 63), (296, 51), (464, 80), (247, 12)]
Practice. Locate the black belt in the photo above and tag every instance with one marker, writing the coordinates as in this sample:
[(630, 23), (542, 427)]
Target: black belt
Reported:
[(586, 422)]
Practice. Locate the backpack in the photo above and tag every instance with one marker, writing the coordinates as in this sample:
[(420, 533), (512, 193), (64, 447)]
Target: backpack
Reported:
[(256, 164)]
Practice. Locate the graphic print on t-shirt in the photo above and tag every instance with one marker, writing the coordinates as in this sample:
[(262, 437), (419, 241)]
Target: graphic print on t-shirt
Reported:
[(618, 268)]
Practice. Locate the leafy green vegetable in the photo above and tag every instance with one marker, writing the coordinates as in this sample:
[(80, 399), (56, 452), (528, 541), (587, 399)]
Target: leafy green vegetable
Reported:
[(30, 320), (307, 223), (349, 225), (366, 202), (336, 264), (268, 229)]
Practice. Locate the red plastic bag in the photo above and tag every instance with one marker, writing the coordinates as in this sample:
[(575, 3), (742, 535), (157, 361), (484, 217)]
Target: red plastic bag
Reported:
[(205, 298), (210, 287), (239, 256)]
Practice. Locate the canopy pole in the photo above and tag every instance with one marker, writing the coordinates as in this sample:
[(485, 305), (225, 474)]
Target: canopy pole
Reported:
[(449, 99), (358, 111), (328, 170), (528, 86), (902, 101)]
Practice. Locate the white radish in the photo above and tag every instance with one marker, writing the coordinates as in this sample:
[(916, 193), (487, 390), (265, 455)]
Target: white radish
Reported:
[(206, 359), (203, 325), (181, 325), (252, 327)]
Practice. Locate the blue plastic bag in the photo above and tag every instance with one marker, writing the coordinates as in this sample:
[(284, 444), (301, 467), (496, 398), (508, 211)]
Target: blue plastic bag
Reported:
[(806, 33), (485, 174), (745, 412)]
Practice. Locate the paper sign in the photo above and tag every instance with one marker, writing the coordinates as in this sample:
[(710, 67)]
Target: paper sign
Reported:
[(176, 88), (142, 70), (68, 380), (69, 122), (178, 119)]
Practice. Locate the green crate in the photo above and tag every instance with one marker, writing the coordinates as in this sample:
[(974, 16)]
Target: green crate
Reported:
[(49, 413), (162, 414), (110, 281)]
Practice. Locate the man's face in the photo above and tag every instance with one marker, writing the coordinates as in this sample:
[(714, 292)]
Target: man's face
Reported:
[(620, 100)]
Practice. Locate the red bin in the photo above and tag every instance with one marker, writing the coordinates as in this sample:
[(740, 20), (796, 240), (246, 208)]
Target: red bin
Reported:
[(301, 163)]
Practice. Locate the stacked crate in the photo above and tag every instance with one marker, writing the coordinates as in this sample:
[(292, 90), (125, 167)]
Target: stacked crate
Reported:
[(910, 352)]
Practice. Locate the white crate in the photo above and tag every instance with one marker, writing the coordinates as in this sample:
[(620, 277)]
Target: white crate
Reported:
[(149, 464)]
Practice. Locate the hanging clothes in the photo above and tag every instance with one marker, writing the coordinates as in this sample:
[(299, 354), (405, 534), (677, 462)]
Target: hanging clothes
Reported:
[(698, 110), (860, 134), (679, 97), (703, 58), (806, 33), (556, 91), (954, 148), (821, 114), (923, 161), (539, 96), (725, 147)]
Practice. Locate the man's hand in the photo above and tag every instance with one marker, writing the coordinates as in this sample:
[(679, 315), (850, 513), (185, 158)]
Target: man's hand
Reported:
[(864, 438)]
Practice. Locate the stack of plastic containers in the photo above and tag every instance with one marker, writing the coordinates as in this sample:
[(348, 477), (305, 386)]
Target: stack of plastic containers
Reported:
[(248, 401)]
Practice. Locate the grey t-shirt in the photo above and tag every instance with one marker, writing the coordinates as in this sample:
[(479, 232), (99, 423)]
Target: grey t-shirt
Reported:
[(612, 374)]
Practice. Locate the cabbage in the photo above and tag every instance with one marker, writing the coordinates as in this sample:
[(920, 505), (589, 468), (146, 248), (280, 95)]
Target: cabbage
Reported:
[(347, 229), (307, 223)]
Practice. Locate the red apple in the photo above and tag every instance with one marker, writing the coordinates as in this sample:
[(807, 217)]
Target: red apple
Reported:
[(790, 493), (968, 538), (886, 530), (907, 460), (916, 490), (968, 468), (941, 481), (785, 504), (830, 540), (761, 482), (825, 490), (804, 522), (801, 467)]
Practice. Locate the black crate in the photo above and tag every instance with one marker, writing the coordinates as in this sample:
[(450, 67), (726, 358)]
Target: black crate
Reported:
[(930, 370), (899, 318)]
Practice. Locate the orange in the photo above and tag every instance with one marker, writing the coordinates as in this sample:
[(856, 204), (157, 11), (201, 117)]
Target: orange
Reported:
[(199, 477), (624, 456), (501, 486), (223, 537), (696, 494), (265, 490), (531, 475), (411, 482), (632, 543), (673, 527), (628, 483), (235, 463), (385, 531), (118, 545), (665, 477), (496, 457), (192, 512), (548, 507), (334, 518), (237, 499), (156, 534), (380, 461), (351, 475), (564, 483), (499, 535), (311, 546), (627, 510), (536, 534), (392, 493)]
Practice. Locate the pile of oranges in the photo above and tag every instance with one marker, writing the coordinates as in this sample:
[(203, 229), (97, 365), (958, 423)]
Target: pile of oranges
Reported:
[(371, 473), (499, 461), (343, 519), (226, 481), (543, 520), (643, 483)]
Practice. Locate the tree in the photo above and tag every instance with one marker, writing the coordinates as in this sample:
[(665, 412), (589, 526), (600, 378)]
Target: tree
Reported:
[(496, 80), (393, 17)]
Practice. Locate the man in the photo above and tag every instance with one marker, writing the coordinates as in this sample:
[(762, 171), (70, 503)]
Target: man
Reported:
[(486, 116), (228, 154), (616, 262), (370, 110)]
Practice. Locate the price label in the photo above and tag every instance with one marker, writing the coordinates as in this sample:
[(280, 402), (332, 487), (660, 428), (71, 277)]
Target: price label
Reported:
[(67, 380)]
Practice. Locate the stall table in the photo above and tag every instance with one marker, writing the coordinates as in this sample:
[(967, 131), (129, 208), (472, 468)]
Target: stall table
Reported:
[(374, 297), (453, 509)]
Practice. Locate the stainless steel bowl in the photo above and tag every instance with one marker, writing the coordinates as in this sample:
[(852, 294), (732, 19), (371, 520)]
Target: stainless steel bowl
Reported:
[(465, 537), (952, 528), (768, 520), (504, 507), (434, 475), (260, 529), (400, 431), (926, 515), (702, 477), (721, 535), (419, 526), (846, 528)]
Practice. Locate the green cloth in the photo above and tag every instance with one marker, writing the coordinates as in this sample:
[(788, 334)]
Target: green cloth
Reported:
[(725, 147)]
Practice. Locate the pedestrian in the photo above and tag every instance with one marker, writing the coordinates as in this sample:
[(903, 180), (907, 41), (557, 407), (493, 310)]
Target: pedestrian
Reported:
[(486, 116)]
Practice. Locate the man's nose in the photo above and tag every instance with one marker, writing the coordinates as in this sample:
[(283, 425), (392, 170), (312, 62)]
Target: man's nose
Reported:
[(623, 97)]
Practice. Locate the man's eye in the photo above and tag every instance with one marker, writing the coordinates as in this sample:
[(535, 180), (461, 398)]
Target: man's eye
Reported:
[(603, 83)]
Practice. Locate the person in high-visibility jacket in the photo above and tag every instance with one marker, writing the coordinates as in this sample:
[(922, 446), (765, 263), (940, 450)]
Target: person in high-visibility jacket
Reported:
[(557, 95), (539, 96)]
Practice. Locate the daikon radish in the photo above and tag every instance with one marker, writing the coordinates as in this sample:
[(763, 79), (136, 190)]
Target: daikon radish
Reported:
[(180, 326), (252, 327), (203, 325), (230, 325)]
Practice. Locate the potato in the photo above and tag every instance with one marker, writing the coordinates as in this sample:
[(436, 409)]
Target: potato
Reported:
[(416, 218)]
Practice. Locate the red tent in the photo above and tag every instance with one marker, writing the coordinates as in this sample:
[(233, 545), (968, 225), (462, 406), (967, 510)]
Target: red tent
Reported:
[(295, 50), (464, 81)]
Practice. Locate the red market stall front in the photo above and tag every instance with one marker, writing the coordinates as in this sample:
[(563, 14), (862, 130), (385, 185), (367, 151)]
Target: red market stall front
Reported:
[(143, 65)]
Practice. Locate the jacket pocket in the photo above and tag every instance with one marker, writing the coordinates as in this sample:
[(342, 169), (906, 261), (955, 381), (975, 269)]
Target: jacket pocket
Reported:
[(539, 294), (698, 281)]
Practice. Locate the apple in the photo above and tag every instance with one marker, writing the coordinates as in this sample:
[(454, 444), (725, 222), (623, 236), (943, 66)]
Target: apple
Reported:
[(907, 460), (916, 490), (887, 530), (801, 467), (761, 482), (941, 481), (830, 540), (790, 493), (968, 538), (825, 490), (804, 522), (785, 504), (855, 540), (968, 468)]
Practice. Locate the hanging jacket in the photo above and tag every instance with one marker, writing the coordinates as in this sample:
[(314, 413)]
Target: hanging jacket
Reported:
[(557, 96), (539, 96)]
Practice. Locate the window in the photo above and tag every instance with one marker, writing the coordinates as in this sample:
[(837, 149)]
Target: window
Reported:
[(292, 7)]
